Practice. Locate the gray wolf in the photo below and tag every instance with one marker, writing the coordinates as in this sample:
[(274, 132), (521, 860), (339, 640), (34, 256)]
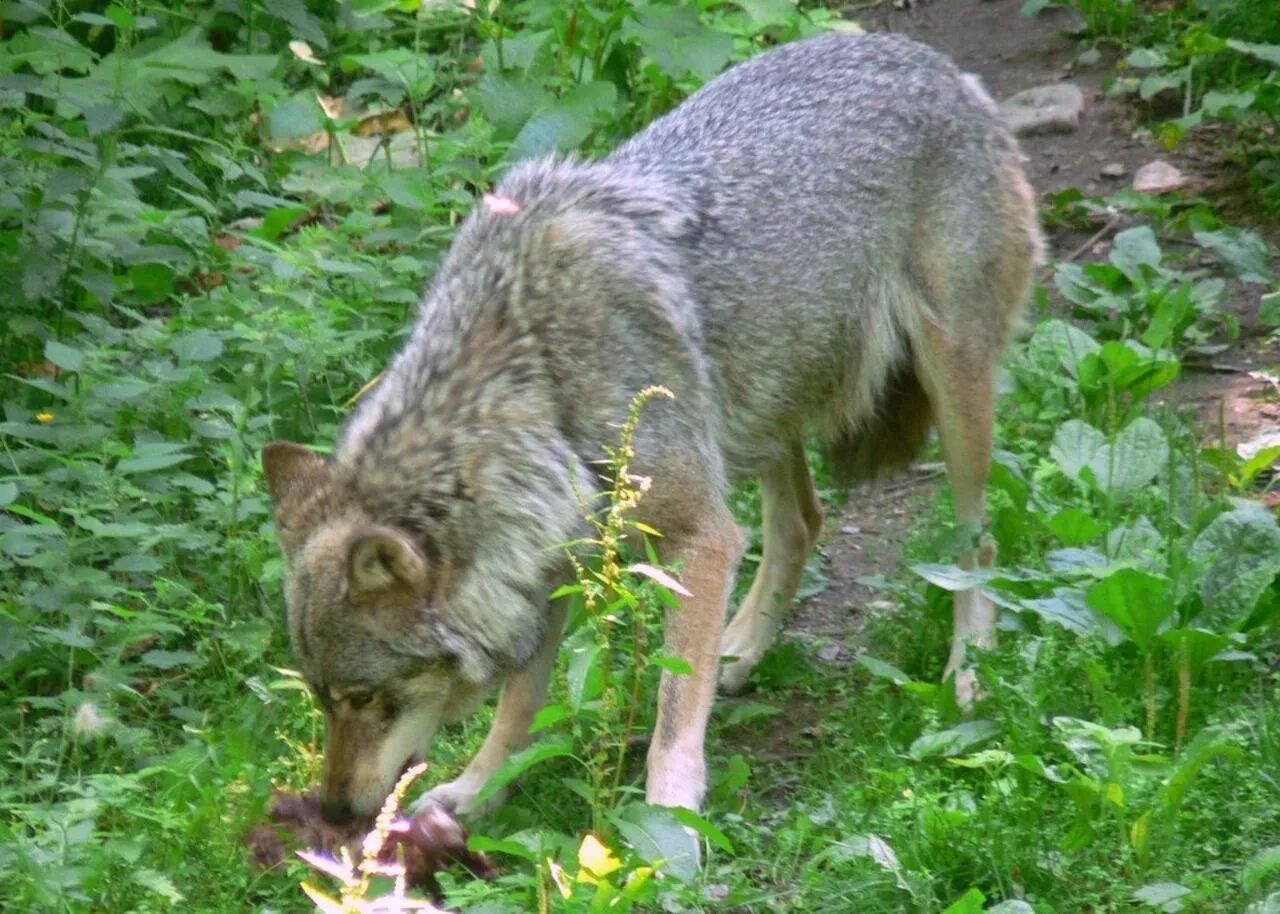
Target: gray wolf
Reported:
[(835, 238)]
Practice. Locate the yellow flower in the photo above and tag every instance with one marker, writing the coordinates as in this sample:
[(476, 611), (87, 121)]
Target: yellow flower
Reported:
[(595, 860), (44, 418)]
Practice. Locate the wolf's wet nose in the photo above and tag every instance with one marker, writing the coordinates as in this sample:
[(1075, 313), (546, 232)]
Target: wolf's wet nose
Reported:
[(338, 813)]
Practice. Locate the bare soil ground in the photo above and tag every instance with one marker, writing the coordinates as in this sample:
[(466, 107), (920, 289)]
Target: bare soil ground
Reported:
[(1234, 398)]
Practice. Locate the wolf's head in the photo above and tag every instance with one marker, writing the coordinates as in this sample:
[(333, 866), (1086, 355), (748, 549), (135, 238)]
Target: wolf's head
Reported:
[(363, 608)]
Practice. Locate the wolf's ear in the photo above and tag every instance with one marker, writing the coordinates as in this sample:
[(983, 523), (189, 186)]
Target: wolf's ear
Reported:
[(291, 470), (382, 559)]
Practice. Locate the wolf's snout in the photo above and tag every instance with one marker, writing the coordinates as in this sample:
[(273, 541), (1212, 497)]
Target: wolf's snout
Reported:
[(336, 813)]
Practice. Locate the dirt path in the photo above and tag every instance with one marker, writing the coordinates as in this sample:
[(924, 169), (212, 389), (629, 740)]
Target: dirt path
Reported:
[(1012, 53)]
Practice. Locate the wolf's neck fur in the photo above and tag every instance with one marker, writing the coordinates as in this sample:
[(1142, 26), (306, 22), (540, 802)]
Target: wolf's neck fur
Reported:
[(458, 446)]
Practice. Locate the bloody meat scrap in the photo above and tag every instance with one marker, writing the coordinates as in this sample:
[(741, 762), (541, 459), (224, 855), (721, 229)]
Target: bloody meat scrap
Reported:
[(429, 841)]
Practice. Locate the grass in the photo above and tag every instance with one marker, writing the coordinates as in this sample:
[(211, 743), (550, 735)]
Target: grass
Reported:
[(187, 282)]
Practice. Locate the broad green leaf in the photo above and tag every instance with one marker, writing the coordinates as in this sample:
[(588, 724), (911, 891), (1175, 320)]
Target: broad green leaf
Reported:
[(659, 838), (1066, 608), (508, 102), (1240, 554), (1146, 58), (1214, 103), (156, 882), (715, 836), (1138, 542), (1135, 601), (953, 741), (970, 902), (168, 660), (1067, 343), (1243, 251), (1197, 645), (767, 12), (1268, 52), (1269, 309), (152, 282), (1076, 445), (1167, 896), (582, 675), (1261, 867), (567, 123), (151, 462), (1075, 526), (558, 746), (63, 356), (678, 41), (297, 116), (882, 670), (197, 346), (8, 492), (1135, 249)]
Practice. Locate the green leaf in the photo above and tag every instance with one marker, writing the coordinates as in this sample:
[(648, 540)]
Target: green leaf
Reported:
[(197, 346), (1075, 526), (1269, 309), (582, 677), (1118, 468), (678, 42), (677, 666), (1260, 867), (1066, 343), (1214, 103), (1135, 249), (767, 12), (1167, 896), (168, 660), (1076, 445), (297, 116), (8, 493), (1268, 52), (158, 883), (882, 670), (1066, 608), (1243, 251), (970, 902), (1032, 7), (1240, 554), (559, 746), (658, 836), (1136, 601), (953, 741), (1146, 58), (63, 356), (508, 102), (152, 282), (690, 819)]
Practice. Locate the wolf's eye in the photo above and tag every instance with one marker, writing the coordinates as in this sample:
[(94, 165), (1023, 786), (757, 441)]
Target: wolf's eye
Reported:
[(359, 700)]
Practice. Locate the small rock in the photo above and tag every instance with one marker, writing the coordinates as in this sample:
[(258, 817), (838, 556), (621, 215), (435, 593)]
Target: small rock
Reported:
[(717, 891), (1054, 108), (850, 529), (1113, 170), (830, 653), (1158, 177), (1249, 449)]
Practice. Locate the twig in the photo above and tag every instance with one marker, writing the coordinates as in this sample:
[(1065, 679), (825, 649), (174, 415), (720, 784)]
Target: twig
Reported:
[(1093, 239)]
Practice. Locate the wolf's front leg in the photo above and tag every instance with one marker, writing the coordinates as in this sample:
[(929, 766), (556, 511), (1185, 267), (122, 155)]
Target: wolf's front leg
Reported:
[(708, 556), (523, 695)]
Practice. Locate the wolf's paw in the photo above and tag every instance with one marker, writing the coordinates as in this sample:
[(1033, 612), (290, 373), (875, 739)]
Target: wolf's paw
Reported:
[(460, 798), (741, 646), (968, 690)]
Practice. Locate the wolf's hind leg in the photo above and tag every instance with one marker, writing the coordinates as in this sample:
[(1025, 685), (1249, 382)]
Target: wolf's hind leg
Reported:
[(958, 376), (792, 523), (708, 554), (522, 697)]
